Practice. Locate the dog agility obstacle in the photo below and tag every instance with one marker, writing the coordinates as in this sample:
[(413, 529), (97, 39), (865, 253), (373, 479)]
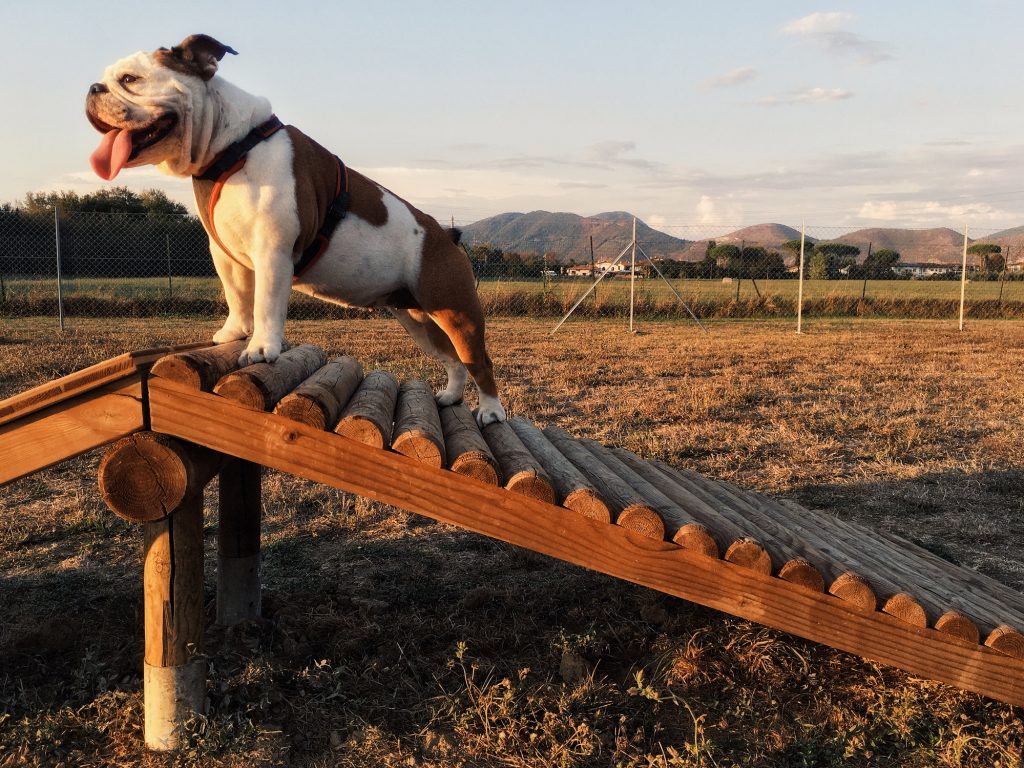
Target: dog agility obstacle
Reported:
[(176, 417)]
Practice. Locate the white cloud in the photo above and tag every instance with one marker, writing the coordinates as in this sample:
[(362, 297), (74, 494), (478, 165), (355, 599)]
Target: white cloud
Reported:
[(729, 79), (818, 23), (712, 211), (928, 211), (828, 32), (807, 96)]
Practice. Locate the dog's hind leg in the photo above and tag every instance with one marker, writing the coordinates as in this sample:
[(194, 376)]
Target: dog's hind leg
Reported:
[(436, 345)]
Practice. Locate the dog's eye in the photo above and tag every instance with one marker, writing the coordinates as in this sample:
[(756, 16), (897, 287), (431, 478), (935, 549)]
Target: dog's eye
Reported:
[(126, 79)]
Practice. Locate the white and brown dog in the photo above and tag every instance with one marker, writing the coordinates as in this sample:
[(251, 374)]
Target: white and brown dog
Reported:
[(284, 213)]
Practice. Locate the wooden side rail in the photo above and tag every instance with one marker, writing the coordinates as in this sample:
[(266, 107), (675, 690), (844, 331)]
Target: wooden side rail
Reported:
[(273, 441)]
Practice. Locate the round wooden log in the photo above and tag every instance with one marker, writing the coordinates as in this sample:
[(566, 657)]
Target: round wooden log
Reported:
[(941, 594), (680, 526), (956, 624), (739, 546), (369, 416), (418, 432), (798, 542), (465, 447), (200, 368), (260, 386), (1008, 640), (522, 472), (175, 675), (319, 400), (238, 542), (630, 509), (145, 476), (738, 517), (572, 490)]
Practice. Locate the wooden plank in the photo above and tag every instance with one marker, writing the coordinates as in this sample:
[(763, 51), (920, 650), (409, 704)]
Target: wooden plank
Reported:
[(394, 479), (80, 382), (67, 428)]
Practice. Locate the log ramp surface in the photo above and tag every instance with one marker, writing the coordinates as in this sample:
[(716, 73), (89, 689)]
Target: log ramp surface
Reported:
[(178, 416)]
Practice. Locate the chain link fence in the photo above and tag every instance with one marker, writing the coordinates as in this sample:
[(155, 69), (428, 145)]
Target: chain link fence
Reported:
[(131, 265)]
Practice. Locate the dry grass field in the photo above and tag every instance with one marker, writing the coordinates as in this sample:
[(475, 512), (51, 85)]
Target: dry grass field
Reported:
[(388, 640)]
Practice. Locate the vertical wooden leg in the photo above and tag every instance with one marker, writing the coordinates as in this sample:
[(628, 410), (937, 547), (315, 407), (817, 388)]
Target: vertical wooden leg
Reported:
[(238, 543), (174, 680)]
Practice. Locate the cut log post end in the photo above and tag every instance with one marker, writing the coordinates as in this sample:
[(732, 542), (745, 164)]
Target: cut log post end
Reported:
[(588, 502), (421, 447), (243, 389), (1008, 640), (696, 538), (529, 483), (477, 465), (369, 416), (906, 607), (799, 571), (643, 520), (317, 401), (956, 624), (854, 590), (145, 476), (304, 410), (748, 553), (261, 386)]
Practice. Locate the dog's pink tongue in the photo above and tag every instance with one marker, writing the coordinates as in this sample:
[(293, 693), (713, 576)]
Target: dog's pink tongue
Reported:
[(113, 152)]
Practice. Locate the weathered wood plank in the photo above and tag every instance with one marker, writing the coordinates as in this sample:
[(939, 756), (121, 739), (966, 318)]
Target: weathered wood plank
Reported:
[(80, 382), (67, 428), (394, 479)]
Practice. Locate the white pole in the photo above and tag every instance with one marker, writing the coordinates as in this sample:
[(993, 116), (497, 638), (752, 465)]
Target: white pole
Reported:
[(632, 277), (963, 280), (800, 289)]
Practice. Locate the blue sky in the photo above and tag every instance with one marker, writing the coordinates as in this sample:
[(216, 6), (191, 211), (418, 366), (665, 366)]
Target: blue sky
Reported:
[(684, 113)]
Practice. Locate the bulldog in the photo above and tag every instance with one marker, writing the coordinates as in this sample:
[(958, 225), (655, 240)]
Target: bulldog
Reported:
[(283, 213)]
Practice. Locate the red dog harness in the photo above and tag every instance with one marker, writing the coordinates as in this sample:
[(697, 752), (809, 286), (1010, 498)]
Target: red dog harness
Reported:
[(232, 159)]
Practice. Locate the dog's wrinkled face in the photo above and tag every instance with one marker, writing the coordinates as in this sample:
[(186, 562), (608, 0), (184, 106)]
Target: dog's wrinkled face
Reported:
[(145, 106)]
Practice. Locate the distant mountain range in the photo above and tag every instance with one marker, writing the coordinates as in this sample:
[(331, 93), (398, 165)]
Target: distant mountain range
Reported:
[(567, 237)]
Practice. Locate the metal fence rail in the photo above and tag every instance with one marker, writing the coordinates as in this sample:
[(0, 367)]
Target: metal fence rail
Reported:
[(76, 264)]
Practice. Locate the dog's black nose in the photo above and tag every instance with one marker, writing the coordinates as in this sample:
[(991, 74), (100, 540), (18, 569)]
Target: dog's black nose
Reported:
[(97, 88)]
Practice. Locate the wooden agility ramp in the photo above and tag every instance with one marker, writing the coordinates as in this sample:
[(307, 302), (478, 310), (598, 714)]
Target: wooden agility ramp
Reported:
[(178, 416)]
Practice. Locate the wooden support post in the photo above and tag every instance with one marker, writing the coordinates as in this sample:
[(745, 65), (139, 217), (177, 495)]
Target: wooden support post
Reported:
[(146, 476), (523, 473), (417, 424), (572, 490), (238, 542), (369, 416), (466, 448), (174, 683), (262, 385), (200, 368), (319, 399)]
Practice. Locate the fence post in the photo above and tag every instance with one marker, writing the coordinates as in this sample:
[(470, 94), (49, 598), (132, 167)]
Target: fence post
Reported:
[(800, 288), (60, 288), (170, 290), (963, 280)]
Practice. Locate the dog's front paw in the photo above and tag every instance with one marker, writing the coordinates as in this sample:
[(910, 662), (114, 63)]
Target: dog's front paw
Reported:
[(447, 397), (490, 411), (228, 333), (261, 352)]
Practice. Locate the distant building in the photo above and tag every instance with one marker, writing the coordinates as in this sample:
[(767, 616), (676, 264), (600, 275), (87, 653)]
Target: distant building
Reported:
[(923, 270)]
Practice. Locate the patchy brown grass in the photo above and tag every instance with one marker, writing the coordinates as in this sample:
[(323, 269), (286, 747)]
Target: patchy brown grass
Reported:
[(387, 640)]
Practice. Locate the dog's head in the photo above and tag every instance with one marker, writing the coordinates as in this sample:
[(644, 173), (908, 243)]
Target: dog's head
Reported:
[(148, 105)]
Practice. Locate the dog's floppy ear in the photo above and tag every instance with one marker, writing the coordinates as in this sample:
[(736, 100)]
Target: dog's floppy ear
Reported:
[(195, 55)]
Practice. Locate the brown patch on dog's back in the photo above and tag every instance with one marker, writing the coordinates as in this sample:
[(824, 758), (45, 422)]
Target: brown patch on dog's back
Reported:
[(367, 200)]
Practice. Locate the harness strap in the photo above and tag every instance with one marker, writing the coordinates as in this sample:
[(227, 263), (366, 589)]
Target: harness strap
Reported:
[(232, 160), (332, 218)]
